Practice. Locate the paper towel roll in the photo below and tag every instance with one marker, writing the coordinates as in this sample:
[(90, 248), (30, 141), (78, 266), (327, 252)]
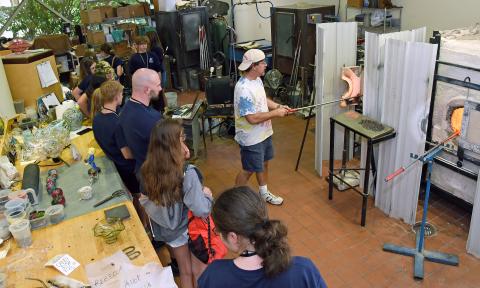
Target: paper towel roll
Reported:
[(62, 108), (7, 110)]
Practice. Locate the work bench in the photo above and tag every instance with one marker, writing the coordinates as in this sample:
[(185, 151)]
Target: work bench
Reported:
[(74, 235)]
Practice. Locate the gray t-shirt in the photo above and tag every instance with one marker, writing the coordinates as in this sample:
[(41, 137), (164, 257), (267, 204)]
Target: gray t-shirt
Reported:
[(169, 223)]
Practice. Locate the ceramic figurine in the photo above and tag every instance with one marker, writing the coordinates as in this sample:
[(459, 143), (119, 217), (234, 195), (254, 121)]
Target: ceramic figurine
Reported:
[(57, 197)]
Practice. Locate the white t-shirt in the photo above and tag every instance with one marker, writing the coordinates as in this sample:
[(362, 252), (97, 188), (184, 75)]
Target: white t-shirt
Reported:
[(250, 98)]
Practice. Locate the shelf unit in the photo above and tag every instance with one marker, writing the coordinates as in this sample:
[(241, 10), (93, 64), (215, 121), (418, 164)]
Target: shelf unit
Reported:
[(378, 29), (385, 28)]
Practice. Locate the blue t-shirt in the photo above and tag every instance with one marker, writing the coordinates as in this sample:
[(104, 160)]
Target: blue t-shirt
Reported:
[(137, 122), (109, 136), (144, 60), (85, 83), (302, 273)]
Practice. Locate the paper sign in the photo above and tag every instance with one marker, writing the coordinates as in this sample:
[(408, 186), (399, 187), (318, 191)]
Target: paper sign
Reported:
[(64, 263), (117, 271)]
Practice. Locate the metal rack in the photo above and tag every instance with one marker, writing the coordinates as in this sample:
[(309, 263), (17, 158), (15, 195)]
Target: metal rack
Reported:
[(380, 29)]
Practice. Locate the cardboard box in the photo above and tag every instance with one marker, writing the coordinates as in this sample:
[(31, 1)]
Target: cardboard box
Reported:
[(355, 3), (137, 10), (95, 37), (129, 26), (80, 50), (107, 12), (123, 12), (122, 49), (91, 16), (131, 11)]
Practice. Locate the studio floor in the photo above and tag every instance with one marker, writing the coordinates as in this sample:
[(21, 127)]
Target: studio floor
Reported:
[(329, 231)]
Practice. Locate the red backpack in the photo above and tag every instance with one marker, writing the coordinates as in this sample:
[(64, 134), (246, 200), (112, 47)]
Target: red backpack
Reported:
[(203, 241)]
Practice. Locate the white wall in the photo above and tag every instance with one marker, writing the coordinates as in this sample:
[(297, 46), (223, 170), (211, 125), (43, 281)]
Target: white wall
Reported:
[(439, 14), (434, 14), (250, 26)]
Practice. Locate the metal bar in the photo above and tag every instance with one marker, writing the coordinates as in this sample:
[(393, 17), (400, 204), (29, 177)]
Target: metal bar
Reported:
[(365, 184), (306, 130), (14, 14), (458, 82), (330, 163), (425, 207), (458, 65), (449, 164), (349, 186)]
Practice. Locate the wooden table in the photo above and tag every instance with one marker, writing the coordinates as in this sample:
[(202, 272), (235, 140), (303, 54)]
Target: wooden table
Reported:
[(75, 237)]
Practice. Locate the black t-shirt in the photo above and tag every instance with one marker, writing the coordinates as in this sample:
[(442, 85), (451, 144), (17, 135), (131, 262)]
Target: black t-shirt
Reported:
[(109, 136), (137, 122), (144, 60), (159, 53), (114, 61)]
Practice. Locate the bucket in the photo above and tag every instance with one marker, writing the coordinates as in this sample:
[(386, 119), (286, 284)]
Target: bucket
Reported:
[(171, 99)]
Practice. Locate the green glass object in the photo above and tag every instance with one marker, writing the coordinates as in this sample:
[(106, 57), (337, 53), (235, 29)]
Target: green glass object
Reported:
[(109, 229), (73, 118)]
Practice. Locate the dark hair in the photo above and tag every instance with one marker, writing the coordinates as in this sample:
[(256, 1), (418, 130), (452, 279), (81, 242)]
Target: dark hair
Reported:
[(107, 48), (85, 65), (154, 39), (244, 212), (95, 83), (162, 171)]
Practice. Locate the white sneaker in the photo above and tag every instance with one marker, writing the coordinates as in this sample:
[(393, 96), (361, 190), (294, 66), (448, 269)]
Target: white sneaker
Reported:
[(272, 199)]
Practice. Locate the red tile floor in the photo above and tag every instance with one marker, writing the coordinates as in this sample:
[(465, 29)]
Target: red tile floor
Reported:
[(329, 233)]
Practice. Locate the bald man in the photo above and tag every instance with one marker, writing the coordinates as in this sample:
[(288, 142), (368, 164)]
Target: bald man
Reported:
[(137, 117)]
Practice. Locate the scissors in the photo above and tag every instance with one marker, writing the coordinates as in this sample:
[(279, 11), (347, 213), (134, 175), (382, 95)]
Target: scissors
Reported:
[(131, 253), (115, 194)]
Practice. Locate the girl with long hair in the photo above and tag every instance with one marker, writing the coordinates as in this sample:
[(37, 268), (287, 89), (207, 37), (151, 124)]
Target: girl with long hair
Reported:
[(264, 260), (170, 189), (87, 70)]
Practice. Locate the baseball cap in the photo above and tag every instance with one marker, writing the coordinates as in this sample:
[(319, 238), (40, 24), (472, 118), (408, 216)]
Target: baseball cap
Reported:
[(250, 57)]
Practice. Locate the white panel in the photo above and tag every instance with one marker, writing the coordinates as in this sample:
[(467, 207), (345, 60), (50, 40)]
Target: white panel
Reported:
[(336, 48), (408, 79), (7, 110), (373, 77), (473, 242)]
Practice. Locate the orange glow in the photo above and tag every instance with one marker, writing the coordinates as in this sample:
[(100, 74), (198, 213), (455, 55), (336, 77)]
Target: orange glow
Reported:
[(456, 120)]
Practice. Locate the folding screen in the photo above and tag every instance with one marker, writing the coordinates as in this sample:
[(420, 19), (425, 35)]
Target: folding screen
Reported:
[(336, 48)]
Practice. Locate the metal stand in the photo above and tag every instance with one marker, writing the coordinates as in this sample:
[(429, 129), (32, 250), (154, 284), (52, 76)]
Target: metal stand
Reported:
[(418, 253)]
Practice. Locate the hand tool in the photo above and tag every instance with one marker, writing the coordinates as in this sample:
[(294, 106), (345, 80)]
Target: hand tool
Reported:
[(131, 253), (115, 194), (421, 157)]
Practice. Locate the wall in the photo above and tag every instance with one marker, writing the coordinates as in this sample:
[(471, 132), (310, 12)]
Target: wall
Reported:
[(435, 14), (439, 14), (250, 26)]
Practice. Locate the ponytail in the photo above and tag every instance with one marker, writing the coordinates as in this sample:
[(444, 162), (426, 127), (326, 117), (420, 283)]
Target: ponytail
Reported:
[(244, 212), (270, 241)]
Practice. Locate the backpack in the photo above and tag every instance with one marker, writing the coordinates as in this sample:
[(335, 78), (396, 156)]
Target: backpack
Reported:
[(203, 241)]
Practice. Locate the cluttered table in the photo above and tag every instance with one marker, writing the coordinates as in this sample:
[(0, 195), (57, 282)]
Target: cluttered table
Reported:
[(75, 234)]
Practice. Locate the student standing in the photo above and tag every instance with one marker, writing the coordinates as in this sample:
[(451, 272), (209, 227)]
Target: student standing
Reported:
[(170, 191), (264, 259)]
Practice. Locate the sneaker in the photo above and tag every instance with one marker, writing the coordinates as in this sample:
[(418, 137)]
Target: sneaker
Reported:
[(272, 199)]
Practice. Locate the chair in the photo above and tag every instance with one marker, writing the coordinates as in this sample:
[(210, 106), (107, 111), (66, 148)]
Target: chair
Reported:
[(219, 94)]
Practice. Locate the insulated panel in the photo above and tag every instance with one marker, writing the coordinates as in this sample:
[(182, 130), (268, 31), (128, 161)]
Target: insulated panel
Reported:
[(373, 95), (336, 48), (408, 79), (473, 242)]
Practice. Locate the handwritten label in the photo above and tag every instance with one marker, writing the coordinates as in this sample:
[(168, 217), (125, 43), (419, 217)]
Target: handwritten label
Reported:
[(63, 263)]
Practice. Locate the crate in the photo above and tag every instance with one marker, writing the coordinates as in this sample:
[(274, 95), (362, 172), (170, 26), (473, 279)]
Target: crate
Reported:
[(91, 16), (355, 3), (131, 11), (95, 37), (107, 11)]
